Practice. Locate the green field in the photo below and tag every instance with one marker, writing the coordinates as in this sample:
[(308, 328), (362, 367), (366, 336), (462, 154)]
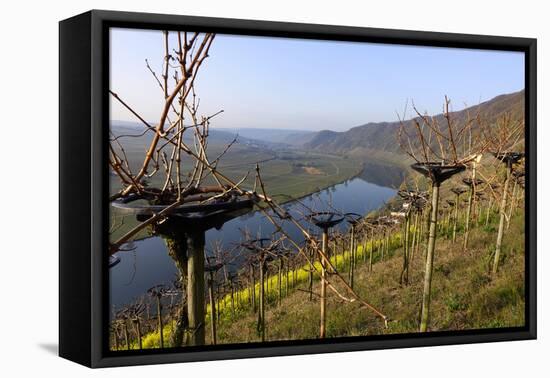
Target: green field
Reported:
[(288, 174)]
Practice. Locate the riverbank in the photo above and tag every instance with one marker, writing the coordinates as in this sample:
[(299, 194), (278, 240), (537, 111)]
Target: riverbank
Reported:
[(285, 182), (149, 264)]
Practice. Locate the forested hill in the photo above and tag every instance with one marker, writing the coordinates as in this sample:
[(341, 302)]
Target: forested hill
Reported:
[(381, 136)]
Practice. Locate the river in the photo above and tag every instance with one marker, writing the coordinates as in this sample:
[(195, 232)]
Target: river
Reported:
[(149, 264)]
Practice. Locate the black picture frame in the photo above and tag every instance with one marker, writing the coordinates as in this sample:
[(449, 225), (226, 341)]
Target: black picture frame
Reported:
[(83, 121)]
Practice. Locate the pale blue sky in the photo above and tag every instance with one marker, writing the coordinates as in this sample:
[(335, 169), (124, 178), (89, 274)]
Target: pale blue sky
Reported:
[(312, 85)]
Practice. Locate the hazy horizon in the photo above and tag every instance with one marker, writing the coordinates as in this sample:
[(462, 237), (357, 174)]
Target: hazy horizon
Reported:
[(310, 85)]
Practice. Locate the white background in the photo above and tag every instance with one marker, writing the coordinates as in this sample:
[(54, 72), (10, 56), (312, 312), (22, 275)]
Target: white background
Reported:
[(29, 185)]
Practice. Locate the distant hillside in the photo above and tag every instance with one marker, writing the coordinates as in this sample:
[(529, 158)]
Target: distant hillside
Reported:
[(216, 136), (274, 136), (381, 136)]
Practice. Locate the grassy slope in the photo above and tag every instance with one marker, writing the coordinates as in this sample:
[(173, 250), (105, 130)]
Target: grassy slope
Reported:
[(464, 295)]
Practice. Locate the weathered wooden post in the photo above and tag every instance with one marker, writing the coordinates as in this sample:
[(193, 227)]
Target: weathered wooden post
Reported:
[(266, 279), (371, 249), (480, 198), (425, 231), (404, 276), (417, 233), (286, 274), (292, 274), (126, 334), (380, 248), (263, 255), (134, 314), (458, 191), (387, 240), (231, 294), (322, 330), (218, 301), (211, 268), (115, 334), (353, 220), (184, 232), (310, 275), (195, 288), (334, 250), (137, 325), (325, 221), (122, 319), (261, 313), (512, 199), (158, 292), (472, 183), (421, 230), (488, 211), (253, 287), (508, 159), (448, 211), (343, 251), (413, 201), (279, 280), (517, 175), (451, 204), (237, 284), (414, 237), (430, 257), (437, 173)]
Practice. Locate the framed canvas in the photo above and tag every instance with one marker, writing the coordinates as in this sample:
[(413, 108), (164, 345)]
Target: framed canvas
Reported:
[(234, 188)]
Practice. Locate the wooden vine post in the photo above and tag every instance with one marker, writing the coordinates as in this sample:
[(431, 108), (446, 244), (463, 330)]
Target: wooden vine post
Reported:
[(472, 182), (211, 269), (325, 221), (157, 292), (353, 220), (488, 211), (322, 331), (195, 288), (253, 287), (262, 254), (261, 313), (184, 233), (126, 334), (458, 191), (508, 159), (414, 201), (371, 249), (114, 328), (122, 319), (450, 214), (279, 280), (437, 173), (310, 277), (517, 175), (134, 313), (404, 277), (414, 235)]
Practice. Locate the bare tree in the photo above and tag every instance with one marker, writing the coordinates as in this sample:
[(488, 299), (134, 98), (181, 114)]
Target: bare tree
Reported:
[(440, 151)]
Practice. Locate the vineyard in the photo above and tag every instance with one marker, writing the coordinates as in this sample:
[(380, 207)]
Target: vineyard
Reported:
[(468, 298), (447, 253)]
